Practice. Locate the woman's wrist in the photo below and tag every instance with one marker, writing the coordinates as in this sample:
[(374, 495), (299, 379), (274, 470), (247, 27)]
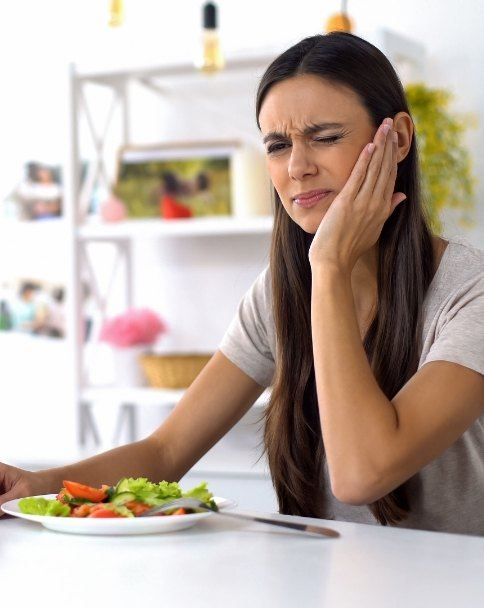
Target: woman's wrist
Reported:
[(50, 481), (329, 274)]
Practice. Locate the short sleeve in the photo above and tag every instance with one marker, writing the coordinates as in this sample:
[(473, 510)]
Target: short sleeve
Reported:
[(460, 336), (246, 342)]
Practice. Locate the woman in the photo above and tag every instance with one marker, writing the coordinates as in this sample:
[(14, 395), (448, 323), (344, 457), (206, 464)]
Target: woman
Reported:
[(368, 327)]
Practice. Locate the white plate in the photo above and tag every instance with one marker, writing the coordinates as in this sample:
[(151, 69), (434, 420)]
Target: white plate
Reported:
[(116, 525)]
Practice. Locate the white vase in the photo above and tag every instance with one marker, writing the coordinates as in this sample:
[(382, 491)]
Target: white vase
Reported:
[(127, 369)]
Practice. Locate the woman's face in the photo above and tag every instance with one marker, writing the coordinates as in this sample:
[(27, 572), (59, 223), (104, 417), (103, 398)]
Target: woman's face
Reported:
[(313, 133)]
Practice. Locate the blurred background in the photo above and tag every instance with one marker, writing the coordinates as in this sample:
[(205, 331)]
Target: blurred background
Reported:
[(135, 207)]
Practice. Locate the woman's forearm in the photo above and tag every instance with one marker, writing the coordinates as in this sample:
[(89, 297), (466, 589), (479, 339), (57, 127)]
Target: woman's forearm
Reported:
[(358, 421), (144, 458)]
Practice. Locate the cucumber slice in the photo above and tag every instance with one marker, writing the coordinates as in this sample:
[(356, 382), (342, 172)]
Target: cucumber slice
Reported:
[(122, 498)]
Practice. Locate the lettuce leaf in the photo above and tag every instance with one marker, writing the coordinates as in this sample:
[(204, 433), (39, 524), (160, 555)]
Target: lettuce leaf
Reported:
[(42, 506), (202, 493), (156, 494)]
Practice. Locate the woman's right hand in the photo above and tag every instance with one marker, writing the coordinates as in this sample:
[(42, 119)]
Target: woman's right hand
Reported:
[(17, 483)]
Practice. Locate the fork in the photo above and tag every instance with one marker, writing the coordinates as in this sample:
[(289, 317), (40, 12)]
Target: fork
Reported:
[(193, 503)]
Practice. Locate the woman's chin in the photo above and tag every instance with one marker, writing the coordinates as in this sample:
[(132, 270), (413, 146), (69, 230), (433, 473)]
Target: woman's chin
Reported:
[(309, 224)]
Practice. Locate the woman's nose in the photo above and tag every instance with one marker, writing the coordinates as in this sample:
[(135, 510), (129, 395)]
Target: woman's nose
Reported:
[(301, 163)]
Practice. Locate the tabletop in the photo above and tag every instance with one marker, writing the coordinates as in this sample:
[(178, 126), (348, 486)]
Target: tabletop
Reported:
[(225, 563)]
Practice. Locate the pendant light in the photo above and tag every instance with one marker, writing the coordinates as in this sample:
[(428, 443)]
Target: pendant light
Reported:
[(211, 59), (340, 22), (116, 13)]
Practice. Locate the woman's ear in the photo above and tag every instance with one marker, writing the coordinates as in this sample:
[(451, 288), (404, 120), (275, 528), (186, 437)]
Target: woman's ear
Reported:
[(403, 125)]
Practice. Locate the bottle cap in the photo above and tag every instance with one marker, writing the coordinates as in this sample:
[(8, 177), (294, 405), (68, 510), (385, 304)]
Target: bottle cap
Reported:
[(209, 16)]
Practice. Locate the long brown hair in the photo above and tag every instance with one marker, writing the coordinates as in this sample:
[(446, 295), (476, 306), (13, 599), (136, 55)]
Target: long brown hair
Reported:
[(292, 435)]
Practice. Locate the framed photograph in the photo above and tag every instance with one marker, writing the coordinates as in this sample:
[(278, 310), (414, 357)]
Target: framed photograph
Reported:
[(176, 181), (39, 193), (32, 306)]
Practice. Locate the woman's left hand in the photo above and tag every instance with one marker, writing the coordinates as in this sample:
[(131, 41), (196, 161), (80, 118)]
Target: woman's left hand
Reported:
[(354, 221)]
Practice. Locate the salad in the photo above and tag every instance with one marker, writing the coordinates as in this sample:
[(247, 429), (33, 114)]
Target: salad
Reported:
[(130, 497)]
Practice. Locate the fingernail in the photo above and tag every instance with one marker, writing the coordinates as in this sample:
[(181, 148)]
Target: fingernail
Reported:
[(388, 121), (395, 137), (370, 148), (386, 128)]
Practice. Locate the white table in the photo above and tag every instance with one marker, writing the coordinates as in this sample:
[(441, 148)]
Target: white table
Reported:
[(223, 563)]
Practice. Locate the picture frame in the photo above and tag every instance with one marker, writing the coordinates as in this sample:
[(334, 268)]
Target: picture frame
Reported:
[(176, 180), (39, 193), (33, 306)]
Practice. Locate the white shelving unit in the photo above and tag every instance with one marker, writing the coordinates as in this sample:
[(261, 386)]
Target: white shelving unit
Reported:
[(152, 228), (86, 230), (146, 396)]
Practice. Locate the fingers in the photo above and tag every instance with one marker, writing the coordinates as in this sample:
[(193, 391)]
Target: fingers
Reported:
[(385, 184), (375, 172), (6, 497), (374, 167), (387, 178), (9, 483), (358, 174)]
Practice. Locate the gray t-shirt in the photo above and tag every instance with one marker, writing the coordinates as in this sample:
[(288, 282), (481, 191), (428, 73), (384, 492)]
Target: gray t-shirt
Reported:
[(448, 493)]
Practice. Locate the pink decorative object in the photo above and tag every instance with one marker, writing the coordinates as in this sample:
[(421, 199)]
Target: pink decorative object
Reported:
[(113, 209), (134, 327)]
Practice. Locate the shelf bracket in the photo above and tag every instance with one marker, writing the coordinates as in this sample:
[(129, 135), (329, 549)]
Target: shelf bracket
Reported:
[(97, 170)]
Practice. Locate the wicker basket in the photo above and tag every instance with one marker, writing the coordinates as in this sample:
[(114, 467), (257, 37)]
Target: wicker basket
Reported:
[(172, 371)]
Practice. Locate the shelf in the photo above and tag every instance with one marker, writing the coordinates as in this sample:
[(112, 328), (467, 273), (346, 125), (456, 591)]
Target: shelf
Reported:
[(154, 228), (13, 230), (145, 396), (177, 69)]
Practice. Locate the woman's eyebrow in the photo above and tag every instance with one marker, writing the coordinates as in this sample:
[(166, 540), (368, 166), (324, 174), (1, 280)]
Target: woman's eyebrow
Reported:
[(314, 128)]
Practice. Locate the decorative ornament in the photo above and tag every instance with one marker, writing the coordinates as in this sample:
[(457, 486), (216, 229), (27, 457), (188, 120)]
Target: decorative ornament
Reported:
[(113, 209)]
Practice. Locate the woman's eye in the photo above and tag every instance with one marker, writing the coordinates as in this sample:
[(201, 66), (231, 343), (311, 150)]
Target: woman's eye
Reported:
[(273, 148), (276, 147), (328, 140)]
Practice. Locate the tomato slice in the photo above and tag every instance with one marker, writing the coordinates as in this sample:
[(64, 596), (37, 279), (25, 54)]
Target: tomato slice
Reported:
[(78, 490), (180, 511), (63, 496), (137, 507), (81, 511), (98, 513)]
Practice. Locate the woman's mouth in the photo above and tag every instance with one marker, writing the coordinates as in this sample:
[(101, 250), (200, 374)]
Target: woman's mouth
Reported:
[(309, 199)]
